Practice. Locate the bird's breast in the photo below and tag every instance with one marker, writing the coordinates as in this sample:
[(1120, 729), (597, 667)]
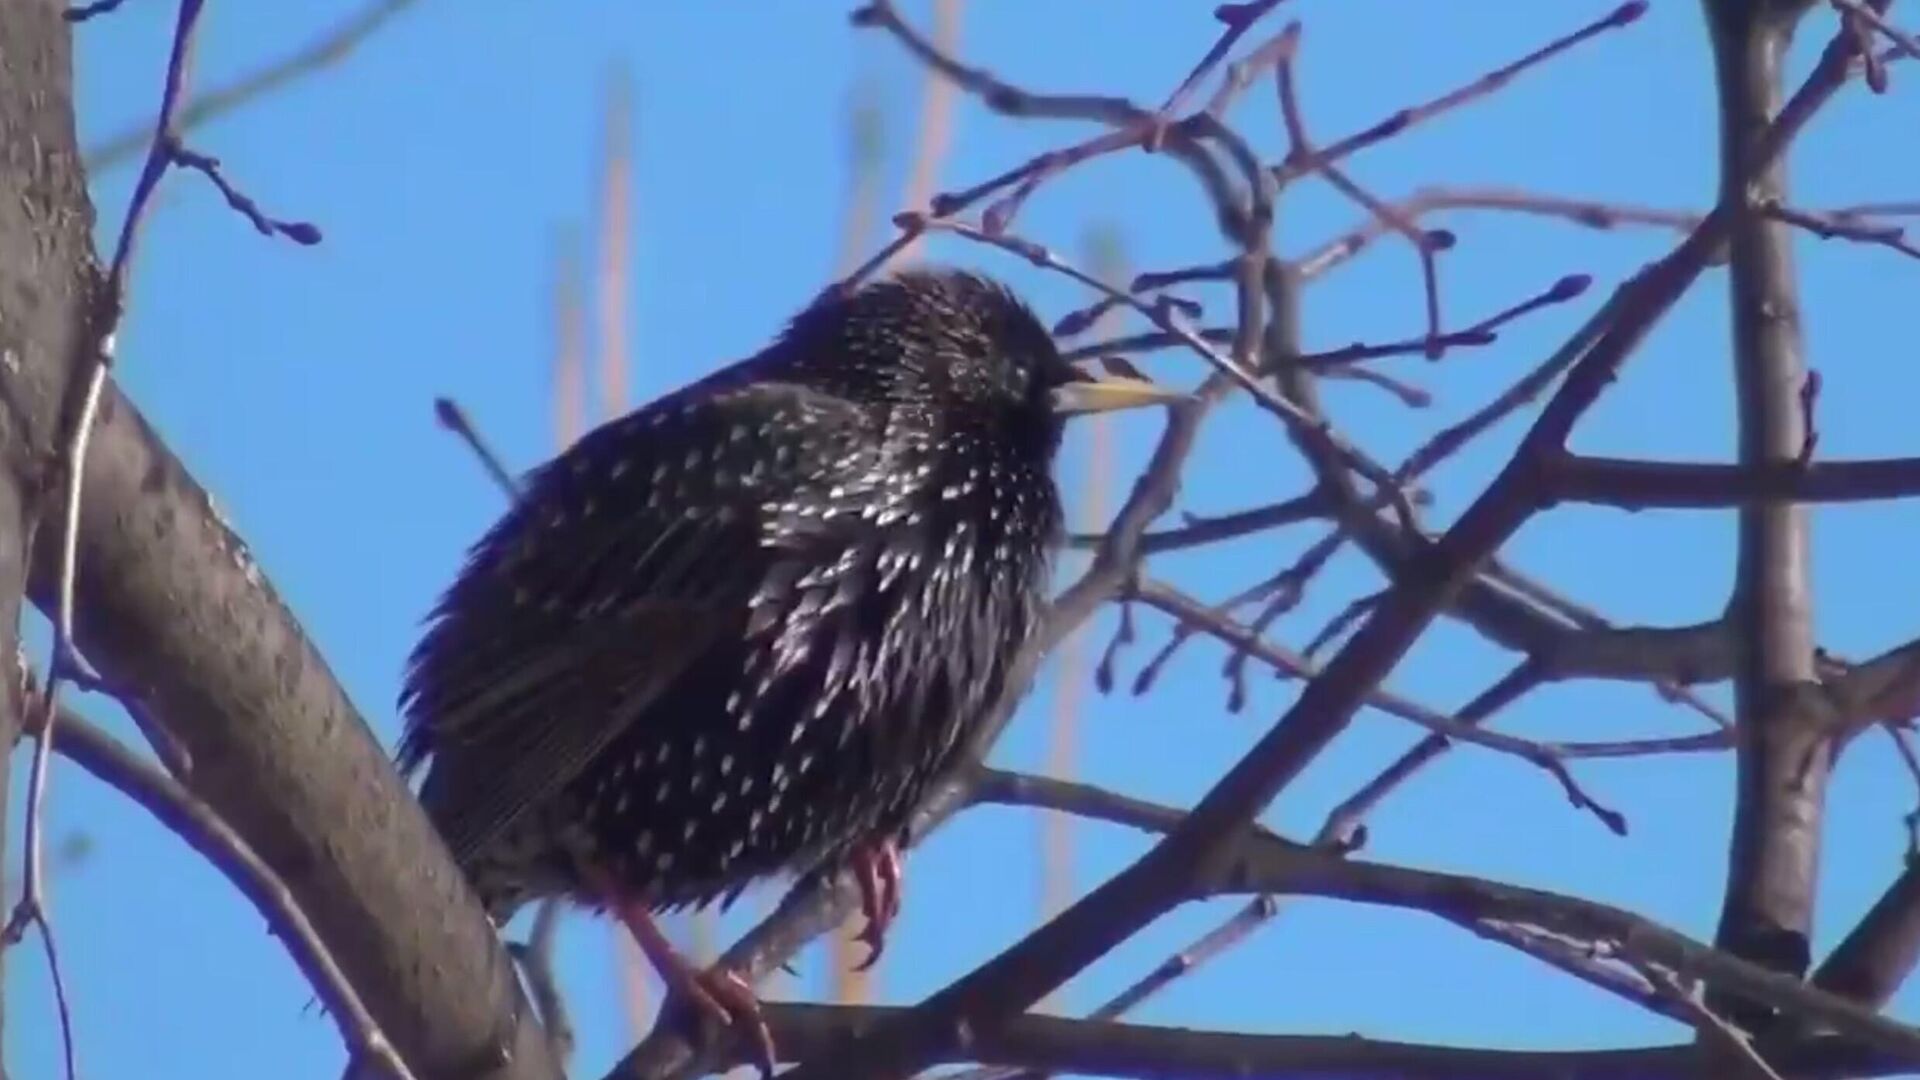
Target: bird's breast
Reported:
[(888, 637)]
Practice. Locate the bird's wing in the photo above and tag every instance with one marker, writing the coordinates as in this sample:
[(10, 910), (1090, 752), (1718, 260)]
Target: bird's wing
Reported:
[(628, 558)]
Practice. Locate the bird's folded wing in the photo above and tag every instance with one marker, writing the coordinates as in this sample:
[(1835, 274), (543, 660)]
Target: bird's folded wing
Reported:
[(629, 558), (541, 722)]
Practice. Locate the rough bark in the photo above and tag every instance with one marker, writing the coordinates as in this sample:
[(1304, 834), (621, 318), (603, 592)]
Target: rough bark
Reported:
[(44, 274), (12, 579)]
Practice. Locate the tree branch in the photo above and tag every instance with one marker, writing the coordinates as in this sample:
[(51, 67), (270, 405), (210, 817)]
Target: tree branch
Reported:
[(1050, 1044), (1871, 963), (43, 304), (1786, 755), (175, 612), (1270, 865), (317, 55), (1260, 866), (1638, 485), (201, 827)]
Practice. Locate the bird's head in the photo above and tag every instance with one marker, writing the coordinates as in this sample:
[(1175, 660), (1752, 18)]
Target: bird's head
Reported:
[(959, 343)]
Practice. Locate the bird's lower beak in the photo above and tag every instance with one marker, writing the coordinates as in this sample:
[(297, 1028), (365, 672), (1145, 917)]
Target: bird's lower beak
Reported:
[(1111, 393)]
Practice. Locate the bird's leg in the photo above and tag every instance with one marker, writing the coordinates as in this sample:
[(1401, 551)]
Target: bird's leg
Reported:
[(878, 871), (717, 992)]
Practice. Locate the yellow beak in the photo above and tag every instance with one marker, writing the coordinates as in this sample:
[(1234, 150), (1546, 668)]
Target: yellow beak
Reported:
[(1110, 393)]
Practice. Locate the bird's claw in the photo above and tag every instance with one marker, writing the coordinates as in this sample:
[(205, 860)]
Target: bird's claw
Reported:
[(876, 941), (712, 994), (720, 994), (877, 871)]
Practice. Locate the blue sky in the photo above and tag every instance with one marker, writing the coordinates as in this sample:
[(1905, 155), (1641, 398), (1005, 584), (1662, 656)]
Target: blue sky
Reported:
[(443, 159)]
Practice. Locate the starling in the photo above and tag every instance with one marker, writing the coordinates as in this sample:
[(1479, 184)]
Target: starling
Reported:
[(741, 630)]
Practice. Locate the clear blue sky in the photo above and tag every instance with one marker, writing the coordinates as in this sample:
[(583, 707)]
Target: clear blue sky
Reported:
[(443, 158)]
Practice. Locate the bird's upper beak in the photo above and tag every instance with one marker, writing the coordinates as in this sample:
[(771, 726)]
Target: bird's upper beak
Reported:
[(1107, 393)]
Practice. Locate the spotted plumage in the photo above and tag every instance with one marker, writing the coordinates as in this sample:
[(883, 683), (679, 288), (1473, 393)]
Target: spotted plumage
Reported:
[(742, 629)]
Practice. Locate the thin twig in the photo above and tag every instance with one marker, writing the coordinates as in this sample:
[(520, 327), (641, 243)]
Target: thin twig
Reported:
[(1591, 214), (317, 55), (84, 12), (1548, 757), (536, 964), (1902, 40), (1426, 244), (1207, 947), (1169, 320), (455, 419), (300, 232), (1689, 998), (1479, 89), (1831, 227)]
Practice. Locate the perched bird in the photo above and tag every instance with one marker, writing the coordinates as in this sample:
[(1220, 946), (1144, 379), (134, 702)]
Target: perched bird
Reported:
[(742, 630)]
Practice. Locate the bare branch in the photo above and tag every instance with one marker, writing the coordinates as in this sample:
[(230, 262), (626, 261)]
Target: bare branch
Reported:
[(90, 375), (1478, 90), (254, 720), (1637, 485), (322, 53), (1785, 757), (1426, 244), (1737, 1044), (455, 419), (1875, 959), (536, 964), (1094, 1048), (1828, 227), (1248, 642), (1867, 13), (41, 313), (1279, 868), (1429, 200), (202, 827)]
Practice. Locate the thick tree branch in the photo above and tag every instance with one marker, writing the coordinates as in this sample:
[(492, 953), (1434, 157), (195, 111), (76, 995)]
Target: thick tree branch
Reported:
[(176, 613), (1050, 1044), (1785, 753), (173, 609), (1262, 862), (1270, 865), (46, 282)]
